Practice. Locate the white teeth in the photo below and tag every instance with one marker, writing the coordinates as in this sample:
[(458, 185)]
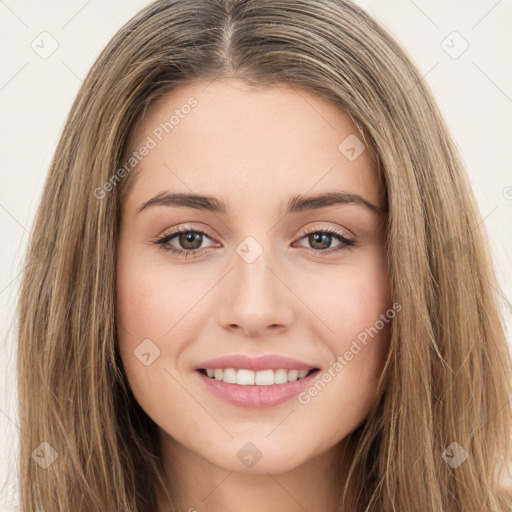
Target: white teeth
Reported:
[(264, 378), (229, 376), (293, 375), (281, 376), (245, 377)]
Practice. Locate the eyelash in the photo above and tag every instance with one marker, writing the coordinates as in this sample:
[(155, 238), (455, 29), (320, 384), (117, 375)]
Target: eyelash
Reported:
[(163, 241)]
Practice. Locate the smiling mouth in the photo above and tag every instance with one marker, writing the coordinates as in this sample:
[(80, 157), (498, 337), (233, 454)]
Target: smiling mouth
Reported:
[(245, 377)]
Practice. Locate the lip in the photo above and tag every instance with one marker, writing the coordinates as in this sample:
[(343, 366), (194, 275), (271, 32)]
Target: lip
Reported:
[(256, 397), (265, 362)]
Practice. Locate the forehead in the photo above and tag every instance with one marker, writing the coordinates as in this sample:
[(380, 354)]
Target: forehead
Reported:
[(223, 137)]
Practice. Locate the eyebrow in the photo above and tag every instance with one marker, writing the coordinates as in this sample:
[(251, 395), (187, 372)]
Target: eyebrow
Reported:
[(296, 204)]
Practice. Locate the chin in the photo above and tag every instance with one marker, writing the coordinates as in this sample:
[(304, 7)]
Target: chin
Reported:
[(258, 457)]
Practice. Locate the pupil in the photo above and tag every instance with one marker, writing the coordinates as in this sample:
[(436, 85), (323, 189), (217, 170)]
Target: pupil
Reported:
[(318, 237), (187, 240)]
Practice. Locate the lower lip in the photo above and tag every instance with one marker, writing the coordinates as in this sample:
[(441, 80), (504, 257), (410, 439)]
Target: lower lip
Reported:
[(257, 397)]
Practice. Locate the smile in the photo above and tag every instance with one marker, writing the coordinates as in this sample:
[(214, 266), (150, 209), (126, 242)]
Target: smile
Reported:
[(256, 389)]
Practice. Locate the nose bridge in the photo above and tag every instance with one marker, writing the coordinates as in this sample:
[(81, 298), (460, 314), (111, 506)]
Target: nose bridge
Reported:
[(253, 278), (252, 262), (254, 298)]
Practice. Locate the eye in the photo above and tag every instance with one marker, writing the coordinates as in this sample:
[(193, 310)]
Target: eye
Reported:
[(320, 240), (190, 240)]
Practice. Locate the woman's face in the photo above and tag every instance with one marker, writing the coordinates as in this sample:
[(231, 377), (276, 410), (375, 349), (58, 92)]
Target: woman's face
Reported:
[(251, 177)]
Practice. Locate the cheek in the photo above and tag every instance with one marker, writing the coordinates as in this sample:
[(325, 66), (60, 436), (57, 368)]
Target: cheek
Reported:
[(362, 298), (151, 298), (147, 307), (357, 309), (351, 299)]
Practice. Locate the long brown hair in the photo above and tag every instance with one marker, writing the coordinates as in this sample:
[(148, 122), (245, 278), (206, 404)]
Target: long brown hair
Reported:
[(447, 375)]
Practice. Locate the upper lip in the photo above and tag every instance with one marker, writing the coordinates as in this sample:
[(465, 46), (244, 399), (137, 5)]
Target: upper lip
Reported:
[(265, 362)]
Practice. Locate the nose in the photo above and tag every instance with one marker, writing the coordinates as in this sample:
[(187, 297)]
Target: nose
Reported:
[(255, 297)]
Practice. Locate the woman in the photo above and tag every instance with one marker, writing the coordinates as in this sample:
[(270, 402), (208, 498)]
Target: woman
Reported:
[(258, 279)]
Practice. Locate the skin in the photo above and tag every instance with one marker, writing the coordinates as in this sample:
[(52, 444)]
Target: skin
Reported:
[(253, 148)]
